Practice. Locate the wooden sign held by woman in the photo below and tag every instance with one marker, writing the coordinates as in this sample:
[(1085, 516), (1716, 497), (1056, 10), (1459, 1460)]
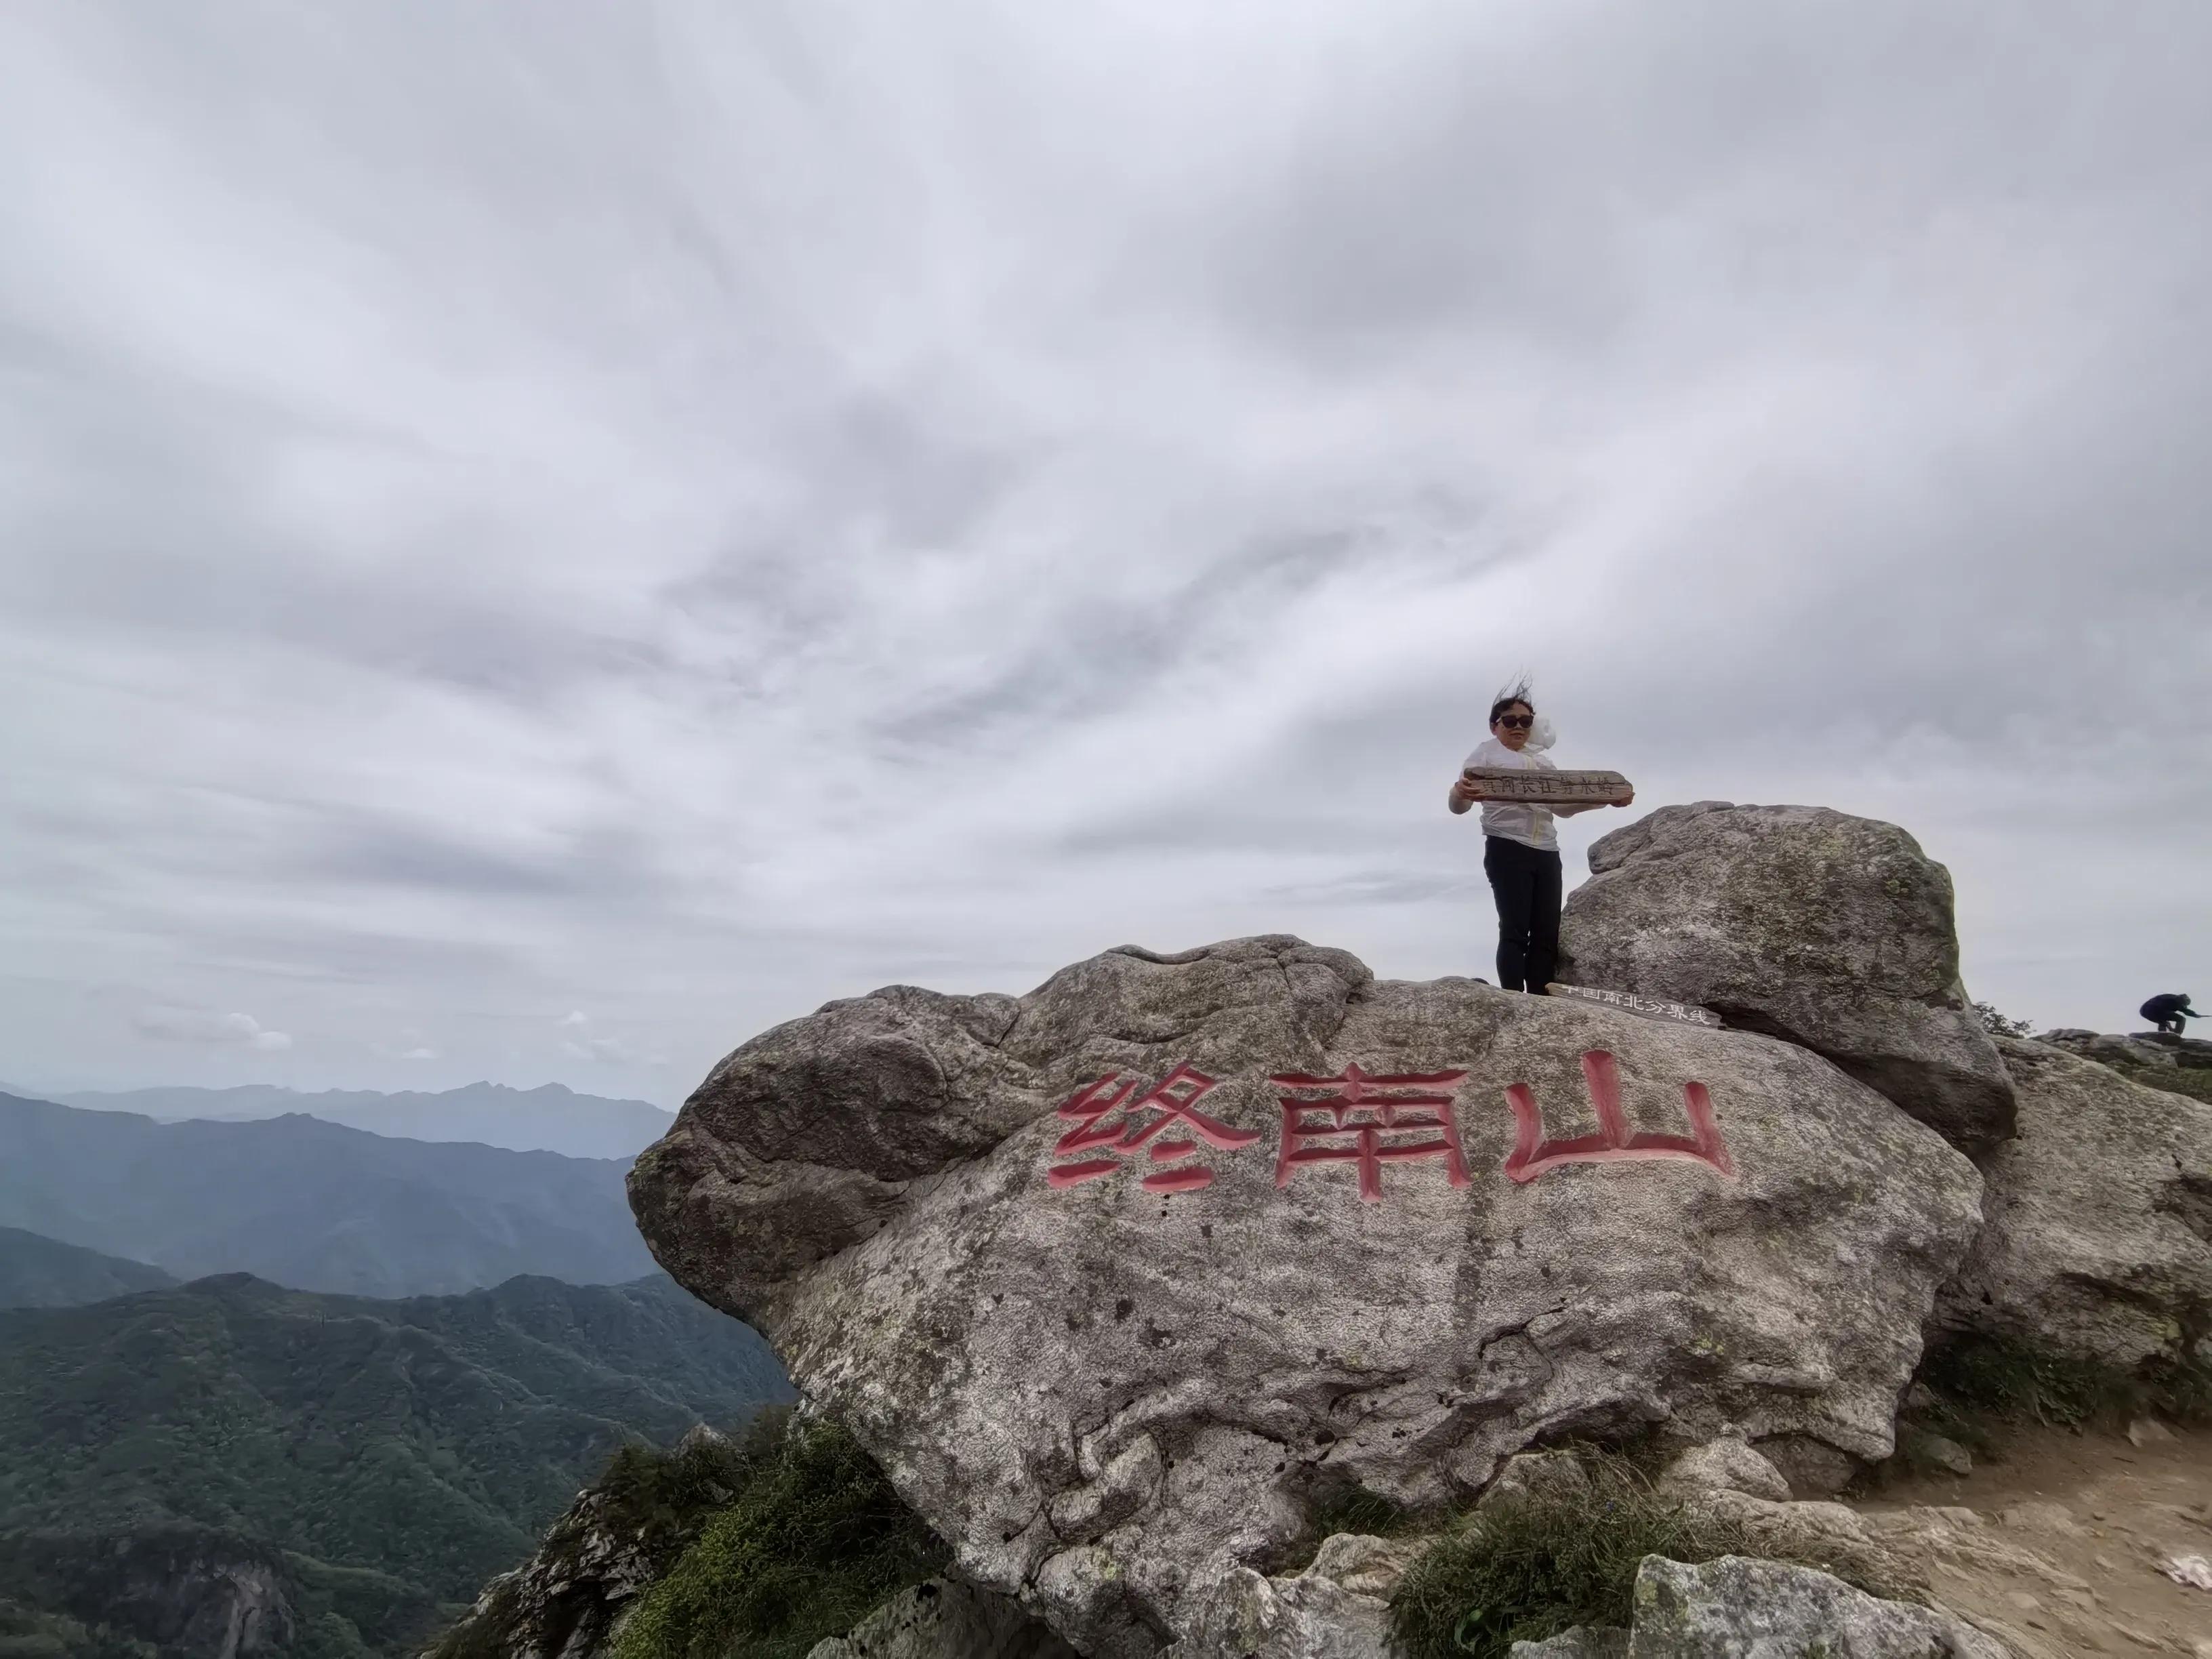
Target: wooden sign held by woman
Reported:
[(1548, 788), (1521, 792)]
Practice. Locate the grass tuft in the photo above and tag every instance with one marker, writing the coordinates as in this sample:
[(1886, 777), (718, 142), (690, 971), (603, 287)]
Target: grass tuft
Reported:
[(1522, 1571), (811, 1540), (1979, 1381), (1356, 1510)]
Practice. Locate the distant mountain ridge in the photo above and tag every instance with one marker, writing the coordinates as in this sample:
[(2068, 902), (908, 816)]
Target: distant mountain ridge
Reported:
[(550, 1118), (311, 1205), (344, 1470), (37, 1271)]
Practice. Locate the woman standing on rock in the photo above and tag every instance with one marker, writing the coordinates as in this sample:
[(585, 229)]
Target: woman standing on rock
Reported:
[(1520, 849)]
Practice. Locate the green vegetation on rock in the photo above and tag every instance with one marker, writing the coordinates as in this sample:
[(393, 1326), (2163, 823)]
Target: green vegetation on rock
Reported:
[(1981, 1383), (813, 1540), (2194, 1082), (2155, 1062), (622, 1532), (1528, 1568)]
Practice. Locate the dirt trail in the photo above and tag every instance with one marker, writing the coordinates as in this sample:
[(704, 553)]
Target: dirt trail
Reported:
[(2104, 1514)]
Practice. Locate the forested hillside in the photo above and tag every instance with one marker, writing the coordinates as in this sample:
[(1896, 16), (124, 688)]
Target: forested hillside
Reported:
[(37, 1271), (360, 1467)]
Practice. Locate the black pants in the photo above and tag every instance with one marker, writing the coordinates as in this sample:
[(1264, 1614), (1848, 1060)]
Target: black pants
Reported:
[(1526, 884), (2171, 1025)]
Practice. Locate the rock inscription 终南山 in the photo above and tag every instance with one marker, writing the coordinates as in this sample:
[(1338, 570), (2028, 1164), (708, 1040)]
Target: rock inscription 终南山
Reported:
[(1105, 1393)]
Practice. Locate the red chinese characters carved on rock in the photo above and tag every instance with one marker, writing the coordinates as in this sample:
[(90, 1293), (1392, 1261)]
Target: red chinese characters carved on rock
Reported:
[(1532, 1154), (1362, 1119), (1379, 1100), (1092, 1109)]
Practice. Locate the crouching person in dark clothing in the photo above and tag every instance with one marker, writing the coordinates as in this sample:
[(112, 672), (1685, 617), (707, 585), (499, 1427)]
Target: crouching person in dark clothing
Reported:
[(2169, 1010)]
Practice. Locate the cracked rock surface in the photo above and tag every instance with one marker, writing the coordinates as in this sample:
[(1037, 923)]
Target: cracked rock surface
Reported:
[(1115, 1401)]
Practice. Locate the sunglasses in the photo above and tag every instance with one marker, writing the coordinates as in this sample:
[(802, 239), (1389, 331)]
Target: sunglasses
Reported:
[(1517, 722)]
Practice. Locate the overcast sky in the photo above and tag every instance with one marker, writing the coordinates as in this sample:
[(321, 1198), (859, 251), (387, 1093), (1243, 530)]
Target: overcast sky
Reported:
[(537, 541)]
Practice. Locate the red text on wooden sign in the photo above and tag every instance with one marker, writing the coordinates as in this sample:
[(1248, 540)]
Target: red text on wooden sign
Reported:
[(1532, 1154), (1385, 1106), (1107, 1124)]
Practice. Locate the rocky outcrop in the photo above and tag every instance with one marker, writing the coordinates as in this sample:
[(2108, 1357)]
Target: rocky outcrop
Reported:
[(606, 1549), (1726, 1465), (944, 1620), (193, 1594), (1238, 1614), (2180, 1065), (1738, 1607), (1337, 1608), (1118, 1388), (2096, 1241), (564, 1602), (1832, 931)]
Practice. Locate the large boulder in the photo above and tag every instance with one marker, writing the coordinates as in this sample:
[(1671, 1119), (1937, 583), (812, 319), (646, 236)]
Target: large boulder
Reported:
[(1115, 1355), (1832, 931), (2098, 1241)]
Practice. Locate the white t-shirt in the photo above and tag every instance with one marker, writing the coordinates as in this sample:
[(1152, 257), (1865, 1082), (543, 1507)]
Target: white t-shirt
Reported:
[(1532, 826)]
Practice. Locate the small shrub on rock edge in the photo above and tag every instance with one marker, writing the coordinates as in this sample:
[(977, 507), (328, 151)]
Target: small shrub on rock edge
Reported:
[(813, 1541), (1998, 1025)]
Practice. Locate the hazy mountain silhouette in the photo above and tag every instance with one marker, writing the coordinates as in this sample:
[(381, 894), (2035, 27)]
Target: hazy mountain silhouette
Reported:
[(313, 1205), (37, 1271), (550, 1119)]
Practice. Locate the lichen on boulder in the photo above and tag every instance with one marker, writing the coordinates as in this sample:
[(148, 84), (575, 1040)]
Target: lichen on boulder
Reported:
[(1832, 931)]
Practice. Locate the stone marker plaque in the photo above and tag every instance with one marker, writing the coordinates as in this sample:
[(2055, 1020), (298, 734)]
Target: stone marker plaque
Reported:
[(1630, 1002), (1539, 788)]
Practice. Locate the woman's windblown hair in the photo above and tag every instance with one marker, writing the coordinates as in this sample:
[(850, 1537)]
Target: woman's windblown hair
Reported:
[(1517, 691), (1540, 735)]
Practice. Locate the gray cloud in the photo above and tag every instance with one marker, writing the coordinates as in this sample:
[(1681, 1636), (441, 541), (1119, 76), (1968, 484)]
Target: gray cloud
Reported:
[(682, 512), (203, 1025)]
